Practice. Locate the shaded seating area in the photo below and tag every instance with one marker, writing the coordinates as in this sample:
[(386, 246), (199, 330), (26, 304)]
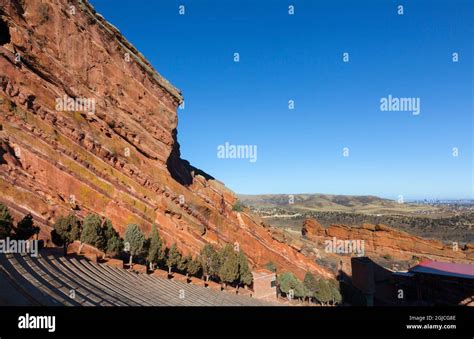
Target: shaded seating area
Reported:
[(54, 280)]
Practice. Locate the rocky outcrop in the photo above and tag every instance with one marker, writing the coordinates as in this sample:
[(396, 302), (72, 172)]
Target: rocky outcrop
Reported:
[(312, 228), (114, 150), (381, 240)]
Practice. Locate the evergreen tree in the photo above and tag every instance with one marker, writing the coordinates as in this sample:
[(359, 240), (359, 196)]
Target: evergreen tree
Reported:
[(114, 243), (245, 275), (300, 290), (6, 222), (156, 252), (114, 246), (56, 239), (287, 282), (145, 250), (193, 267), (67, 229), (182, 265), (25, 228), (92, 232), (173, 258), (209, 261), (323, 293), (335, 292), (136, 241), (229, 265), (311, 285)]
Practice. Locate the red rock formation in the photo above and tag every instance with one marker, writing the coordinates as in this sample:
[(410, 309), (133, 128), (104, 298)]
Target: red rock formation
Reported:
[(381, 240), (312, 228), (122, 161)]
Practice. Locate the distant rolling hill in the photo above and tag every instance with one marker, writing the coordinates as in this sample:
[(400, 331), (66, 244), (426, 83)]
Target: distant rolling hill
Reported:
[(333, 203)]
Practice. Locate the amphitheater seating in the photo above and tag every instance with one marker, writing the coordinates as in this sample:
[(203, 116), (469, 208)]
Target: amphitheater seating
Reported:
[(54, 280)]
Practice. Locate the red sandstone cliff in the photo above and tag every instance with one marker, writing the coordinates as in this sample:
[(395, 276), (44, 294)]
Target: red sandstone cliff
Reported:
[(381, 240), (122, 161)]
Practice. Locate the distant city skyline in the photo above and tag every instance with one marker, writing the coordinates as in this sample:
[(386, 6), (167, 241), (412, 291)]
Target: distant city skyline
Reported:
[(340, 97)]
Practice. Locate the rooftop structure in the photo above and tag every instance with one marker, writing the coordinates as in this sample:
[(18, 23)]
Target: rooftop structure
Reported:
[(264, 284), (445, 268)]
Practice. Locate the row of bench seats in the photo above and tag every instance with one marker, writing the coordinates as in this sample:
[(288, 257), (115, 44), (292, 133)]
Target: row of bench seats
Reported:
[(54, 280)]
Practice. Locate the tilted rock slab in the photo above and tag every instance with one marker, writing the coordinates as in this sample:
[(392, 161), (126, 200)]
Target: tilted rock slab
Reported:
[(382, 240), (120, 160)]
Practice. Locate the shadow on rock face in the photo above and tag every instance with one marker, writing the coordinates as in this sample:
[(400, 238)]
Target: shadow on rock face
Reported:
[(4, 33), (181, 170)]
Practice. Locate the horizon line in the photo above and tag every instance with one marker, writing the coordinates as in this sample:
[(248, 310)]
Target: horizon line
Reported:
[(359, 195)]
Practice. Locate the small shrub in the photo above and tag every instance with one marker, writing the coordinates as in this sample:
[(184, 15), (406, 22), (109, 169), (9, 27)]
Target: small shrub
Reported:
[(270, 266), (11, 106), (238, 206)]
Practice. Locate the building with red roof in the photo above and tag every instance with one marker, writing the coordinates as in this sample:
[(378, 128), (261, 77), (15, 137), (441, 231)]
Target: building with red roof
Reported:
[(444, 268), (428, 283)]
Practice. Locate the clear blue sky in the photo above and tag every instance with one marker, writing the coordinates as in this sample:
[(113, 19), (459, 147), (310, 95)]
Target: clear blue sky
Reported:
[(337, 104)]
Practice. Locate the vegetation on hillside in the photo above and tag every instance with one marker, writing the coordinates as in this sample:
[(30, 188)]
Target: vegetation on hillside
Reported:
[(238, 206)]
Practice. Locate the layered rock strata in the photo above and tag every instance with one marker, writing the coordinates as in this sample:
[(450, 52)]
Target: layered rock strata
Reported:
[(87, 125)]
